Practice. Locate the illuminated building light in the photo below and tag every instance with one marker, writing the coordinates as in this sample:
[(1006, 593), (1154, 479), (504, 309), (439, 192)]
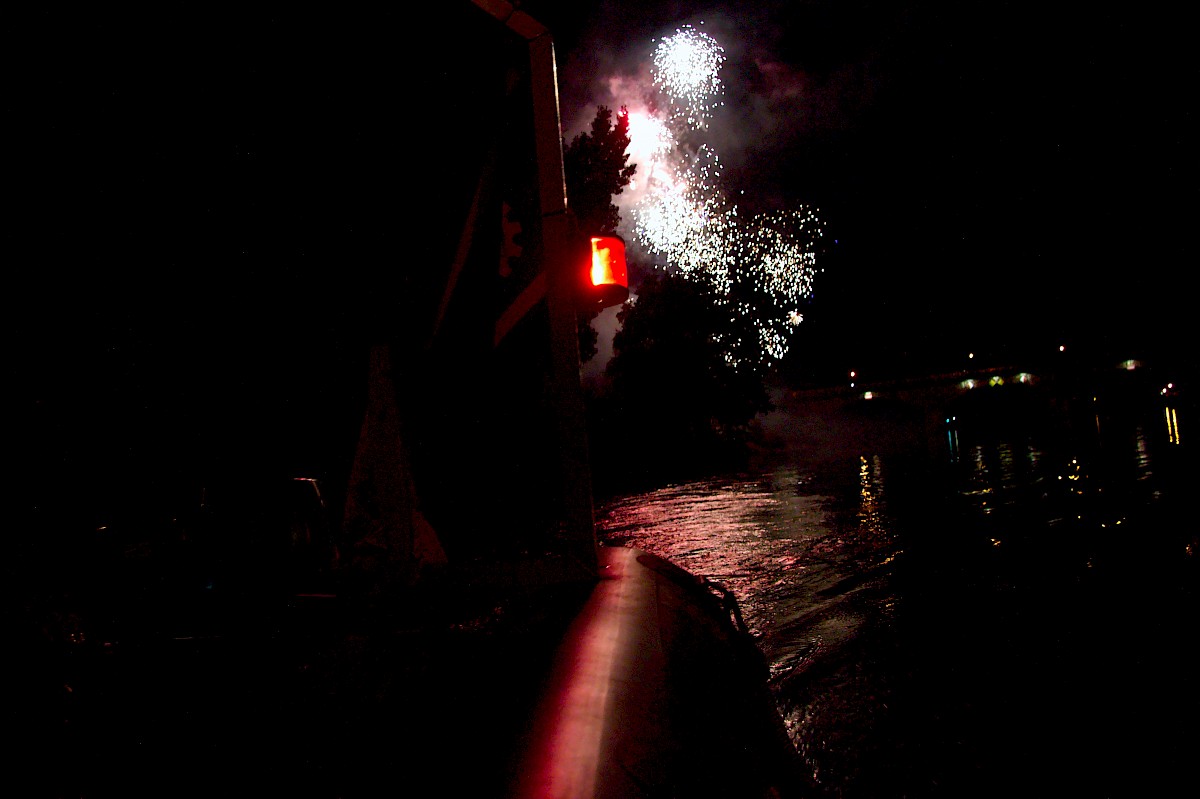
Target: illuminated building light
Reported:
[(1172, 426)]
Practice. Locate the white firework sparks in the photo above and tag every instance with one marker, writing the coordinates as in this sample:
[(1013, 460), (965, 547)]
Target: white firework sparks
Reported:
[(772, 262), (649, 136), (781, 249), (683, 215), (759, 270), (686, 67)]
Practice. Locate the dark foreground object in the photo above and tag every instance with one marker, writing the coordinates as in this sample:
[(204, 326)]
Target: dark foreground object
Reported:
[(638, 684)]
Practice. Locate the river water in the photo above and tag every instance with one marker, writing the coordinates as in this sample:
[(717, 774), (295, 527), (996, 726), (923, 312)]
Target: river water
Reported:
[(1004, 605)]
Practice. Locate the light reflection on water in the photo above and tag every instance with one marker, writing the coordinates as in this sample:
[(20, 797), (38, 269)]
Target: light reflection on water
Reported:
[(806, 558), (747, 534), (903, 602), (770, 538)]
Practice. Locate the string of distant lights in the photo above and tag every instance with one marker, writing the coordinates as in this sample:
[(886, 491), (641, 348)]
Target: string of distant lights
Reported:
[(758, 269)]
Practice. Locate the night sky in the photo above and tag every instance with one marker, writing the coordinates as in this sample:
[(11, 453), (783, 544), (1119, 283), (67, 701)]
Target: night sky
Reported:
[(998, 178), (210, 210), (211, 219)]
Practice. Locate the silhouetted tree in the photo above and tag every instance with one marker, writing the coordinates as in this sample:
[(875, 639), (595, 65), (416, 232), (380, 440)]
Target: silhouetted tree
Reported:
[(597, 169), (673, 398)]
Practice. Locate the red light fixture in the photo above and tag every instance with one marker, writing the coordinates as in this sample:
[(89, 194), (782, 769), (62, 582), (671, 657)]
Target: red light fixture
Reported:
[(609, 275)]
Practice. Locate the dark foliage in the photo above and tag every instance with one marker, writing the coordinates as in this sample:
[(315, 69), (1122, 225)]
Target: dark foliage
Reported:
[(597, 169), (672, 397)]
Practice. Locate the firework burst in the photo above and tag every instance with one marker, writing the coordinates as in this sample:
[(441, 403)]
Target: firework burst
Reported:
[(759, 270), (684, 214), (686, 70)]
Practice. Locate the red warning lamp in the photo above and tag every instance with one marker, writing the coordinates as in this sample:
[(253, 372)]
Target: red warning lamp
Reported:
[(610, 278)]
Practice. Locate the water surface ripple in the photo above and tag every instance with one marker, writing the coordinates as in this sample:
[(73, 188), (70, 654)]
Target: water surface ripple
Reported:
[(1013, 615)]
